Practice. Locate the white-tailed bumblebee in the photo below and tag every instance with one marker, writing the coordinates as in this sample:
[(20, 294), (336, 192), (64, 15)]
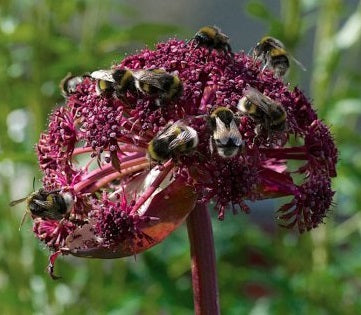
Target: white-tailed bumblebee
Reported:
[(273, 54), (114, 82), (212, 38), (269, 114), (174, 140), (70, 82), (158, 83), (44, 204), (226, 137)]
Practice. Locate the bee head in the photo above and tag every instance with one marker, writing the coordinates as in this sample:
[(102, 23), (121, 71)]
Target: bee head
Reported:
[(205, 34), (224, 114)]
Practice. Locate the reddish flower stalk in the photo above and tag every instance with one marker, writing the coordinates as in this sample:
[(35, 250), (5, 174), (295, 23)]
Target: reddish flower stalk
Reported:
[(95, 148), (204, 273)]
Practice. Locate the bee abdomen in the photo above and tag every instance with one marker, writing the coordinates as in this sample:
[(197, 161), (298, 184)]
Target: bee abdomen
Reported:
[(159, 149), (281, 63)]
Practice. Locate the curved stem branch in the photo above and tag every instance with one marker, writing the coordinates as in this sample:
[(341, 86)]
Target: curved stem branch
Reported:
[(204, 277)]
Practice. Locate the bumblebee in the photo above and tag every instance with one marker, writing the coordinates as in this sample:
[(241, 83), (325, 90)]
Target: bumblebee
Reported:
[(226, 137), (274, 55), (113, 82), (44, 204), (269, 114), (70, 82), (158, 83), (174, 140), (212, 38)]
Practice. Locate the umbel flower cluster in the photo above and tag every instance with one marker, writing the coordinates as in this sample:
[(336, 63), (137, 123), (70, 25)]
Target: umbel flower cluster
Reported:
[(100, 150)]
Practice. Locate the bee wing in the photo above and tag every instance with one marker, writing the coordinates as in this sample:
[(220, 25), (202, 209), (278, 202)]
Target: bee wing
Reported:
[(221, 132), (106, 75), (298, 63), (149, 77), (276, 43), (44, 204), (15, 202), (260, 100), (184, 137), (234, 134), (167, 131)]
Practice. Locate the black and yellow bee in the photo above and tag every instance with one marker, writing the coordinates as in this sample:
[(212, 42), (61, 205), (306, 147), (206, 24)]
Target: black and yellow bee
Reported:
[(212, 38), (174, 140), (269, 114), (165, 87), (52, 205), (114, 82), (226, 137), (157, 83), (273, 54), (69, 84)]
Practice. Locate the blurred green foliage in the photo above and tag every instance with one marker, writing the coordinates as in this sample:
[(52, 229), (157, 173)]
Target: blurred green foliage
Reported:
[(261, 270)]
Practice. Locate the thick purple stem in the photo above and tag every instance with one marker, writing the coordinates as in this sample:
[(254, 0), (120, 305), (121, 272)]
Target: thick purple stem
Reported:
[(204, 277)]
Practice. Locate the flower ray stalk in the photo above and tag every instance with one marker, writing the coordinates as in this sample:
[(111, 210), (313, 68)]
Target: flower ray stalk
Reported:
[(153, 187)]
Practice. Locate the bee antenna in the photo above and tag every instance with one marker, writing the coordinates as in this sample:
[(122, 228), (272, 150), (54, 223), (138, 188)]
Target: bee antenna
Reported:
[(34, 183)]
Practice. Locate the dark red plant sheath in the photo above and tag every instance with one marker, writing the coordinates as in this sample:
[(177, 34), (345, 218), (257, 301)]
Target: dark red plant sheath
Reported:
[(204, 276)]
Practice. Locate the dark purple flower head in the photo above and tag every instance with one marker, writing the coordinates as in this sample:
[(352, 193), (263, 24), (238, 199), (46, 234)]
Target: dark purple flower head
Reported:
[(116, 224), (309, 206), (55, 147), (96, 148), (321, 150)]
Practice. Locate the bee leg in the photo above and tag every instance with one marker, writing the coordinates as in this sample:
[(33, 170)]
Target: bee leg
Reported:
[(188, 41), (211, 147), (51, 264), (99, 160), (131, 128), (123, 100), (158, 102), (23, 219), (258, 132), (229, 50)]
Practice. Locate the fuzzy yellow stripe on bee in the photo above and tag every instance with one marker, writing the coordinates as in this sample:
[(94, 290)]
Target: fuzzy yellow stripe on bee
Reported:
[(103, 85), (127, 75), (277, 52), (264, 39), (177, 131), (208, 31), (145, 87), (280, 119), (158, 71), (152, 153)]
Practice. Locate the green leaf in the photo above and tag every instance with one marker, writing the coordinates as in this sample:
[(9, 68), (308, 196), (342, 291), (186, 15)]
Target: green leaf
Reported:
[(258, 10), (342, 109)]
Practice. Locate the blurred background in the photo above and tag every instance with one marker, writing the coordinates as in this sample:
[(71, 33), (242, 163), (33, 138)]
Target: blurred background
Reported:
[(262, 268)]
